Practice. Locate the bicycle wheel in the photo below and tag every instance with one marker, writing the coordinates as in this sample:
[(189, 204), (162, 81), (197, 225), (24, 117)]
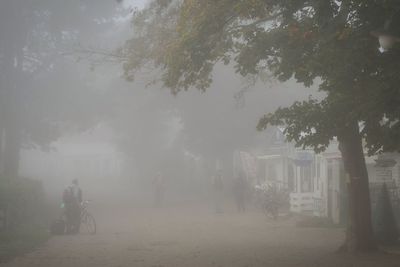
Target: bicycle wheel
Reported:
[(271, 211), (89, 224)]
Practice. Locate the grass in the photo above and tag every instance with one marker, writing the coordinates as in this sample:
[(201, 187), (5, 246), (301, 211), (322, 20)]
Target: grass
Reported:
[(21, 241)]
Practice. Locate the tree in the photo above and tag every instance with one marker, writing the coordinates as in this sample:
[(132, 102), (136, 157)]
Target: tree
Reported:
[(12, 56), (32, 34), (321, 41), (142, 119)]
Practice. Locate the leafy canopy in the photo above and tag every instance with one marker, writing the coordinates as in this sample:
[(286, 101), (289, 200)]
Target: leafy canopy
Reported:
[(323, 41)]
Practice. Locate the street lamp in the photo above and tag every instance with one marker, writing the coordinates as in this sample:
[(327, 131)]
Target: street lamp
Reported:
[(390, 34)]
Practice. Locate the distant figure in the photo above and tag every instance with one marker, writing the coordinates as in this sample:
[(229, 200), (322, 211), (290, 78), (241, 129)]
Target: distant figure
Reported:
[(218, 191), (159, 189), (239, 191), (72, 199)]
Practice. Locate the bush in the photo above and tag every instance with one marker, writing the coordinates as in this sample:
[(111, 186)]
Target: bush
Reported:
[(23, 203), (21, 240), (384, 221)]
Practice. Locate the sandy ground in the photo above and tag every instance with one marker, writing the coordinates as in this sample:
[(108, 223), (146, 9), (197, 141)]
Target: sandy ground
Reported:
[(181, 237)]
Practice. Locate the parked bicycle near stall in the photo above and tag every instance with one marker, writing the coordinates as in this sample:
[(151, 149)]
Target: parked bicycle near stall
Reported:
[(272, 200), (88, 223)]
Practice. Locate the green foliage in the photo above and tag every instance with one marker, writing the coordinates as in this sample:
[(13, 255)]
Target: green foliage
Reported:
[(24, 200), (21, 240), (46, 93), (24, 203), (384, 220), (303, 117), (323, 42)]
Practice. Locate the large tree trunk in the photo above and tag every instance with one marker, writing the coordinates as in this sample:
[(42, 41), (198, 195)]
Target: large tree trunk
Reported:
[(1, 147), (359, 236)]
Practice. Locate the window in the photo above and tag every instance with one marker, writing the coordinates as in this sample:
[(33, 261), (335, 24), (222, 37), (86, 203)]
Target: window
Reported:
[(271, 172), (306, 179), (291, 178)]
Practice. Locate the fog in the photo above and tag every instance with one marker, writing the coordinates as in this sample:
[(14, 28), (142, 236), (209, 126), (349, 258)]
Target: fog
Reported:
[(170, 179), (81, 120)]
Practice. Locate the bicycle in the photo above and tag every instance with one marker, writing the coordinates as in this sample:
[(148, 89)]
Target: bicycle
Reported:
[(271, 200), (88, 223)]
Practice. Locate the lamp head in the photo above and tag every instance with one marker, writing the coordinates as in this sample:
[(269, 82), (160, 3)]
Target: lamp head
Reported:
[(389, 35)]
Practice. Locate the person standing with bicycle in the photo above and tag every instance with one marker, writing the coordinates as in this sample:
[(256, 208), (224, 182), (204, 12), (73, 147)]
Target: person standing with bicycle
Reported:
[(72, 199)]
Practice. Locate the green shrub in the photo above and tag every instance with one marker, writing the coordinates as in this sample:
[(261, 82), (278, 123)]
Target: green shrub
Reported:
[(23, 200), (384, 221), (24, 203), (21, 240)]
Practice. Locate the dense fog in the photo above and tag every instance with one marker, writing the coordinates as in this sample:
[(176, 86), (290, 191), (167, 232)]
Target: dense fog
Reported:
[(175, 173), (80, 119)]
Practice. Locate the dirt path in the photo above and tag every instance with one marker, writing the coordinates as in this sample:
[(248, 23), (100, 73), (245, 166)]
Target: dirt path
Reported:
[(178, 238)]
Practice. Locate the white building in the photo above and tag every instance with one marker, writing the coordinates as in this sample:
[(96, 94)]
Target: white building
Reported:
[(317, 182), (89, 157)]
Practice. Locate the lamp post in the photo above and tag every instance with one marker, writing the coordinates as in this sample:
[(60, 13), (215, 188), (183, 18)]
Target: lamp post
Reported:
[(389, 35)]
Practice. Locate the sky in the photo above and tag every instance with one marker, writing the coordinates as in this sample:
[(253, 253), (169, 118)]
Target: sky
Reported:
[(134, 3)]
